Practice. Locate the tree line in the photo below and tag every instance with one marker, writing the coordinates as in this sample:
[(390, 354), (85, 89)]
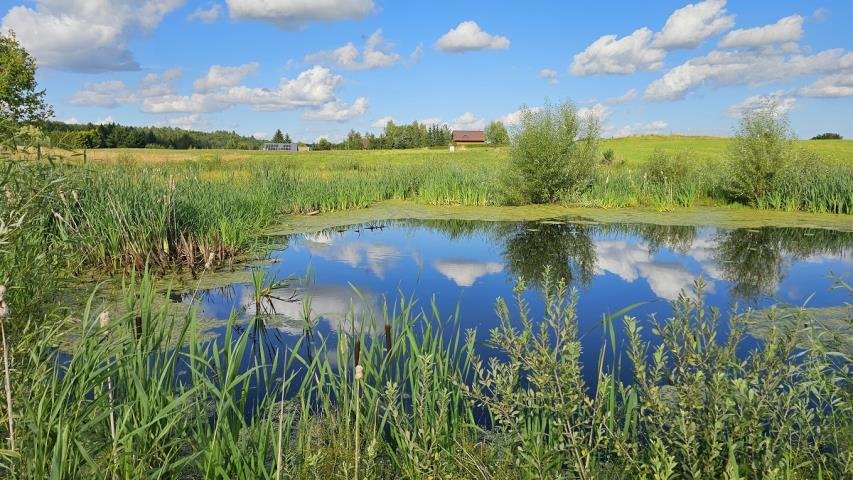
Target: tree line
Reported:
[(412, 135), (113, 135)]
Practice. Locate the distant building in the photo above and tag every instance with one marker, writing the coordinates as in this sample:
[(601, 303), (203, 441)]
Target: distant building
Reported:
[(467, 137), (281, 147)]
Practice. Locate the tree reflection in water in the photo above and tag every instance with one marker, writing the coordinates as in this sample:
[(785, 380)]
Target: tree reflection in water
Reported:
[(755, 261), (566, 249)]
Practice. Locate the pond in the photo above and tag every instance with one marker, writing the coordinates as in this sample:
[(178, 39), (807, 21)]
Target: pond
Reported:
[(466, 265)]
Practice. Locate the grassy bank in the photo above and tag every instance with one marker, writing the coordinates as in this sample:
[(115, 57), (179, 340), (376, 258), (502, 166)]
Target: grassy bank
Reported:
[(404, 396)]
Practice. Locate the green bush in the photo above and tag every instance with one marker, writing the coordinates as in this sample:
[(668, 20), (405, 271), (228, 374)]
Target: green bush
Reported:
[(553, 155), (663, 168), (761, 149), (608, 156)]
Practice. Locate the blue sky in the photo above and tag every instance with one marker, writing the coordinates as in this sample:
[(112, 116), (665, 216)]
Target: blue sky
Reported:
[(321, 67)]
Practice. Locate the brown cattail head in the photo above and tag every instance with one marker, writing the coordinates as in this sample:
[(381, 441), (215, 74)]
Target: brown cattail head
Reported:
[(137, 323), (357, 352), (387, 339)]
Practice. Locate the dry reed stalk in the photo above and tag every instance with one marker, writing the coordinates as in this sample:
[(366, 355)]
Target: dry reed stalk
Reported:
[(4, 314)]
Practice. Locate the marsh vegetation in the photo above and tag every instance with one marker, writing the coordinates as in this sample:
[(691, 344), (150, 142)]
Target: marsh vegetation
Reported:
[(404, 391)]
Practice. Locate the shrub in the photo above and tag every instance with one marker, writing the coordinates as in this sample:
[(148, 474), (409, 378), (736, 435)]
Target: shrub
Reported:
[(553, 154), (761, 149), (828, 136), (608, 156), (664, 168)]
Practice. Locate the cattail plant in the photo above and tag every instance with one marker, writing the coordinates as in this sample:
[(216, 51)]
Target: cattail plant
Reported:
[(4, 315), (359, 374), (104, 322)]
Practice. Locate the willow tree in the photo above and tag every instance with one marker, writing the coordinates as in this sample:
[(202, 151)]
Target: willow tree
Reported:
[(21, 102)]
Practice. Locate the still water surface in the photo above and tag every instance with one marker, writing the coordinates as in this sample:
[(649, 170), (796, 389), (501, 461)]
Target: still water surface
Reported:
[(468, 264)]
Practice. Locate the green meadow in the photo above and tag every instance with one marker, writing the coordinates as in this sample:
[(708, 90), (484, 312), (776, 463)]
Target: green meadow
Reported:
[(633, 150)]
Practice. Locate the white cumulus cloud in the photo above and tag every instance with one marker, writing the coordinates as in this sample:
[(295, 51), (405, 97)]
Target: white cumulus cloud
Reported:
[(468, 36), (612, 55), (690, 25), (837, 85), (626, 97), (751, 67), (550, 75), (206, 15), (109, 94), (643, 49), (158, 84), (292, 14), (338, 111), (788, 29), (85, 35), (218, 76), (467, 121), (377, 53), (311, 88)]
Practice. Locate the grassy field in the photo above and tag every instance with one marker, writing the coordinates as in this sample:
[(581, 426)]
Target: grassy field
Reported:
[(633, 151)]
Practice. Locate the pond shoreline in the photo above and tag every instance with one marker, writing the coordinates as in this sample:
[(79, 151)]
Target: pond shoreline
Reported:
[(722, 217)]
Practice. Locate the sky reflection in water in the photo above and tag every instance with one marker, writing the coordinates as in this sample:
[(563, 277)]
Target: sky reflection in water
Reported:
[(469, 264)]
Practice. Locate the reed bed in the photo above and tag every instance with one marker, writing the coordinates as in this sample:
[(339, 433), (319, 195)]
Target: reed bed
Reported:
[(197, 213), (403, 393)]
